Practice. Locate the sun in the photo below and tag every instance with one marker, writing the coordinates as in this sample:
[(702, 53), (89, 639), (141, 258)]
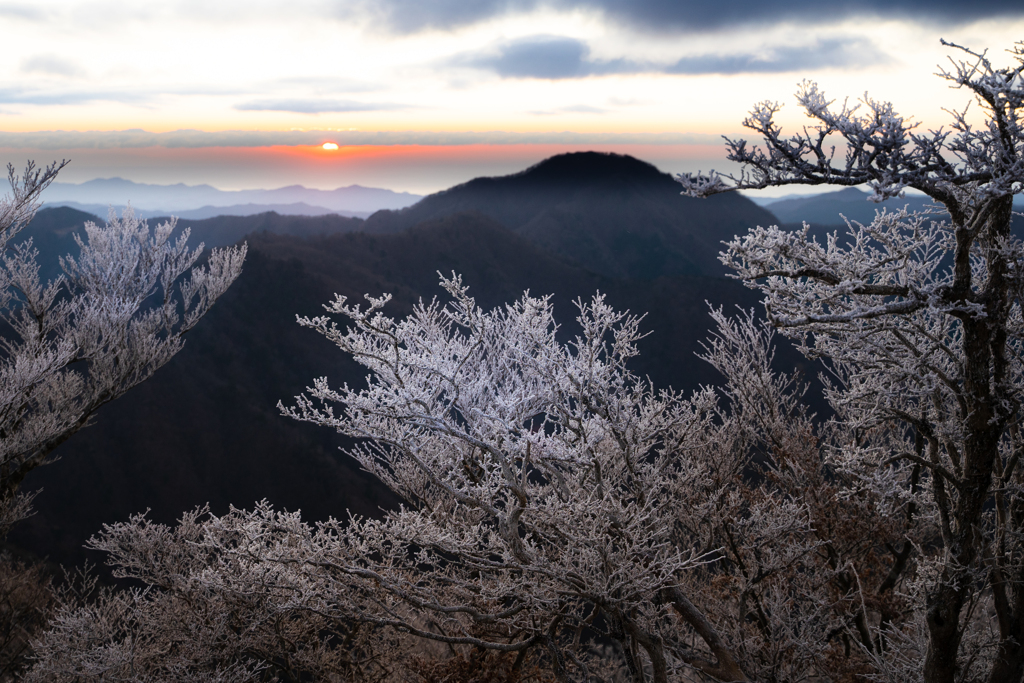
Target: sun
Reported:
[(330, 146)]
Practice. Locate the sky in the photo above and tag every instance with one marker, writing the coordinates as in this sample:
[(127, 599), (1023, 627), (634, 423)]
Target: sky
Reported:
[(422, 94)]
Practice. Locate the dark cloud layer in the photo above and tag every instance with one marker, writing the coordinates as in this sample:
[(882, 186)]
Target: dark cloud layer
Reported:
[(558, 57), (545, 57), (406, 16), (700, 16)]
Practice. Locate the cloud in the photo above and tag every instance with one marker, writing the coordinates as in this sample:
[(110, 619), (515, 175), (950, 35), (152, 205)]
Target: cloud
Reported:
[(324, 86), (304, 106), (50, 93), (62, 97), (583, 109), (69, 140), (50, 65), (409, 16), (12, 10), (843, 53), (671, 15), (573, 109), (558, 57), (544, 57), (538, 57)]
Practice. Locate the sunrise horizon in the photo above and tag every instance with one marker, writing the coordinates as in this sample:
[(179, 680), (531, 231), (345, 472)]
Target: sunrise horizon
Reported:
[(422, 98)]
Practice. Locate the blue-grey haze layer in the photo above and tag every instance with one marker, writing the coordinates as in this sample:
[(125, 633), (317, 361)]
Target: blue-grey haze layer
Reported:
[(204, 201)]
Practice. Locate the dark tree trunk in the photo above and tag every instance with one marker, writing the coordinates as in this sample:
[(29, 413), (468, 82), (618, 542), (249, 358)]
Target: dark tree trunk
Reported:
[(984, 391)]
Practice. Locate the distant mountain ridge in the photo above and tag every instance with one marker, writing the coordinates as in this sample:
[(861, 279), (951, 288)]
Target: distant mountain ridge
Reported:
[(181, 198), (852, 202), (203, 212)]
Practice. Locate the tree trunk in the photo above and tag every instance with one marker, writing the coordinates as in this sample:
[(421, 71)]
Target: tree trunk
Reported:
[(984, 388)]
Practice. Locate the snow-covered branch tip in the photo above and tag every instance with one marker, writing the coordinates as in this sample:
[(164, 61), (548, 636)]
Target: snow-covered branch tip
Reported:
[(18, 208), (701, 185), (869, 143)]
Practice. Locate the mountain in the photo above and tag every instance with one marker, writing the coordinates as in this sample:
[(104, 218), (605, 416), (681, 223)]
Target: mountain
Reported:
[(221, 231), (176, 199), (294, 209), (351, 198), (825, 208), (851, 202), (297, 209), (205, 428), (608, 213), (53, 230)]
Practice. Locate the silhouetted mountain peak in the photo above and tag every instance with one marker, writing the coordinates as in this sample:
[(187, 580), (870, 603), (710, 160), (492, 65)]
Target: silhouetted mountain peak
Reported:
[(608, 213), (571, 172), (590, 167)]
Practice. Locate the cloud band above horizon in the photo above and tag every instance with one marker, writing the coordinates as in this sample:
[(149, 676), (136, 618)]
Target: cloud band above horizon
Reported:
[(55, 140), (553, 58)]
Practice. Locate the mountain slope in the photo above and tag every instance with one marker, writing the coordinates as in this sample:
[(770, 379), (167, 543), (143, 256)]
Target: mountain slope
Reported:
[(206, 429), (608, 213), (825, 208), (53, 228)]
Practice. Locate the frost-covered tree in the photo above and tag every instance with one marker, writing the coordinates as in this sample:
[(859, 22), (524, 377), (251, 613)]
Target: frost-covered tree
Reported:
[(69, 346), (561, 514), (920, 316)]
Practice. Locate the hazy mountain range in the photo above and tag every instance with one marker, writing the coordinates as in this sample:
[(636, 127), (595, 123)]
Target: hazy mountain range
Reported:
[(205, 201), (853, 203)]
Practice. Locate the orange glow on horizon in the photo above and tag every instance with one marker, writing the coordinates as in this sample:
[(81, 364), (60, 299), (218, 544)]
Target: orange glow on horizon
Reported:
[(477, 151), (414, 168)]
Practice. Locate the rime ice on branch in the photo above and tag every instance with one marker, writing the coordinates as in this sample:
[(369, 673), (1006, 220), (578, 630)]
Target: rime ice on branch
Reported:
[(71, 345), (883, 150), (561, 513), (920, 316)]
